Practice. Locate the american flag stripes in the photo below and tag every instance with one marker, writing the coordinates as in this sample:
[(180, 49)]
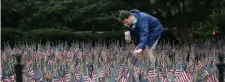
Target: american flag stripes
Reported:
[(212, 78), (181, 76), (58, 80), (102, 74), (6, 80), (151, 75), (163, 77), (121, 71), (136, 71), (13, 78), (200, 64), (31, 74), (76, 73), (108, 68), (67, 76), (87, 79), (123, 79)]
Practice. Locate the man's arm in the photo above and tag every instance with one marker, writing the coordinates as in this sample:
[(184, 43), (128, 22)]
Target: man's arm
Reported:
[(133, 31), (144, 31)]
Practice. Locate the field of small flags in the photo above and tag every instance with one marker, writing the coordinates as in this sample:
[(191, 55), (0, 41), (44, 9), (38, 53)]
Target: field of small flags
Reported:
[(84, 63)]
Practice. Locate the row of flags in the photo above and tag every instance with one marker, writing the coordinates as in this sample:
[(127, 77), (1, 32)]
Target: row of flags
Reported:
[(83, 63)]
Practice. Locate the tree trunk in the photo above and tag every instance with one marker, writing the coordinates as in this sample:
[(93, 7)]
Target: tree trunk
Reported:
[(176, 35), (182, 32), (190, 34)]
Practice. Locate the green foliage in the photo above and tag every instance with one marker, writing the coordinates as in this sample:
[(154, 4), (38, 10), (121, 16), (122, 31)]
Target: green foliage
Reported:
[(100, 15), (40, 13), (214, 23), (11, 35), (54, 35), (217, 19)]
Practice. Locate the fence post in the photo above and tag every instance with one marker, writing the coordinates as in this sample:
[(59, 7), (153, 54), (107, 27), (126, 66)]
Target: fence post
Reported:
[(18, 69), (220, 67)]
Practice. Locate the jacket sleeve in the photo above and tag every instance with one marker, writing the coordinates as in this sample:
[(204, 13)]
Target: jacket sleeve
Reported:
[(144, 31), (133, 31)]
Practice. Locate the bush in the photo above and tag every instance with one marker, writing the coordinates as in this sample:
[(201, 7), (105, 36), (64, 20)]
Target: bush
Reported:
[(11, 35), (55, 35), (44, 35)]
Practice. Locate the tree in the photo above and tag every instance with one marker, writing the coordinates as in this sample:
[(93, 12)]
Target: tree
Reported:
[(80, 15), (214, 23), (185, 15)]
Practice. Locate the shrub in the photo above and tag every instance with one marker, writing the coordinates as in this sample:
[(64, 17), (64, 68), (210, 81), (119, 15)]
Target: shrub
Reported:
[(11, 35), (44, 35), (53, 35)]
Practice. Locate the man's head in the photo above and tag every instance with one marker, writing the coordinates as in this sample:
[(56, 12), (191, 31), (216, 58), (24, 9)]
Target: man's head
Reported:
[(125, 17)]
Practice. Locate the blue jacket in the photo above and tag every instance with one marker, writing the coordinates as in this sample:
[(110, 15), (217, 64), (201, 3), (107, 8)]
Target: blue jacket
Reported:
[(147, 28)]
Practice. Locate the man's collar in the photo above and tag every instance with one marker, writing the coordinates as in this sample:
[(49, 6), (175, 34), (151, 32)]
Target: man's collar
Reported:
[(134, 20)]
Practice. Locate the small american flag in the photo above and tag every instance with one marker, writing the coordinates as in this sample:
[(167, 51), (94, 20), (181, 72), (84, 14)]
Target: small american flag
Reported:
[(121, 70), (214, 63), (31, 74), (94, 77), (51, 62), (108, 68), (151, 75), (123, 79), (186, 76), (76, 73), (162, 77), (212, 78), (136, 71), (88, 79), (6, 79), (102, 73), (57, 80), (13, 78), (201, 64), (181, 76), (205, 73), (177, 75), (67, 76)]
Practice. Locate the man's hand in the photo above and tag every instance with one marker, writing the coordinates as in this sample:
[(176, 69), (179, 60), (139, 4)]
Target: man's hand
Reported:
[(137, 51)]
